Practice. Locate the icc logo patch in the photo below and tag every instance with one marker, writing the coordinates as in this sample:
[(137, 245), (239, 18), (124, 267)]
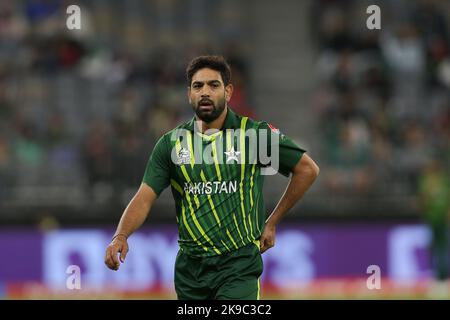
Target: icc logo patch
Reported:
[(184, 157)]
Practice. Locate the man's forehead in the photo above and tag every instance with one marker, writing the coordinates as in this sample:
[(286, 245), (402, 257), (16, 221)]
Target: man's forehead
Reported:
[(206, 75)]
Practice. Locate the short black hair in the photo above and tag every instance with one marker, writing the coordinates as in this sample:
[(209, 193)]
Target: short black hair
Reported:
[(217, 63)]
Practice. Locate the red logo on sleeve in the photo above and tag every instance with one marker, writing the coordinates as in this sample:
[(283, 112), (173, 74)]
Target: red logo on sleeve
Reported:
[(276, 130)]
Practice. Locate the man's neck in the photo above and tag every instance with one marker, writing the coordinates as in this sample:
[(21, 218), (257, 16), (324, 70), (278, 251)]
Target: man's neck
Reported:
[(213, 126)]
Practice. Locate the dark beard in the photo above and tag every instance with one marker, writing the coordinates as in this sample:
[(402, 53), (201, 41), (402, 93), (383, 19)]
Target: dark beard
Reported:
[(210, 116)]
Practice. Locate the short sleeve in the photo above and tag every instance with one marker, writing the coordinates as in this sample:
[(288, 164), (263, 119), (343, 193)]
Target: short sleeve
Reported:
[(157, 171), (289, 152)]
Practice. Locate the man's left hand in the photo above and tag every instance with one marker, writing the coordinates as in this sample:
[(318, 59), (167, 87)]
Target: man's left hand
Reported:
[(267, 239)]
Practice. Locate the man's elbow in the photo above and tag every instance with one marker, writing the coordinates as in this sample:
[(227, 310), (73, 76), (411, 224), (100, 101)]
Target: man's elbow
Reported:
[(316, 169), (307, 168), (312, 170)]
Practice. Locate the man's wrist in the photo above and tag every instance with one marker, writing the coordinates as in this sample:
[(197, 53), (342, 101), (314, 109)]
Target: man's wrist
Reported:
[(270, 223), (119, 235)]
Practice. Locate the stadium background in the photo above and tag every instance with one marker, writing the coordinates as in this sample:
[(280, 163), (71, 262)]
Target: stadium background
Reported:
[(80, 111)]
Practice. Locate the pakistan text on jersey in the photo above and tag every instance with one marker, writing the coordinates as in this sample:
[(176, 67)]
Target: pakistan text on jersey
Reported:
[(210, 187)]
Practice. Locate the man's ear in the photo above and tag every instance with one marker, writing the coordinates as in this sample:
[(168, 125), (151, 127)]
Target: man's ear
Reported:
[(228, 92)]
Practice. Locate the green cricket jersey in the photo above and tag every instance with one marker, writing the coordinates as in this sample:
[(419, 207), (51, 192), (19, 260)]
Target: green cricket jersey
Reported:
[(217, 180)]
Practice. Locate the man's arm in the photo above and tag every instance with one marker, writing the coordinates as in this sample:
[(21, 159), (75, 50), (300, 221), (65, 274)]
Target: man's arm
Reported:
[(303, 175), (132, 218)]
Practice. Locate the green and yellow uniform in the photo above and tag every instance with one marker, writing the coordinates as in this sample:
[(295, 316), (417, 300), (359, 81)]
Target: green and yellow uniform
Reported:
[(217, 186)]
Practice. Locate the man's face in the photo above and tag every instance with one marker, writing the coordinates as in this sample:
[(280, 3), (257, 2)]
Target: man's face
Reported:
[(208, 95)]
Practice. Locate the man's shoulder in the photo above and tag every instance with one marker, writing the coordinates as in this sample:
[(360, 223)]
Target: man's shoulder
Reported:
[(262, 125), (182, 126), (258, 123), (168, 139), (251, 122)]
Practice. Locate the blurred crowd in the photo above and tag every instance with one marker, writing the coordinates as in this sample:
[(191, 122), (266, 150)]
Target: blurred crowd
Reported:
[(383, 97), (80, 110)]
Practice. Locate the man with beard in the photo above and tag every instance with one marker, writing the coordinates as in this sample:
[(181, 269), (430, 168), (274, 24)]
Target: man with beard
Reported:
[(220, 210)]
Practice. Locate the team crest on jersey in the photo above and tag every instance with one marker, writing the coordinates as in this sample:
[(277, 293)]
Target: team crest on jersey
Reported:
[(232, 155), (184, 156)]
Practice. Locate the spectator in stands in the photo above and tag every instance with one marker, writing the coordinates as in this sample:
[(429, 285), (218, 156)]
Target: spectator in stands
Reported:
[(434, 187)]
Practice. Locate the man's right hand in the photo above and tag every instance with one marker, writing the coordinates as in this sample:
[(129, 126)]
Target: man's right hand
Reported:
[(118, 244)]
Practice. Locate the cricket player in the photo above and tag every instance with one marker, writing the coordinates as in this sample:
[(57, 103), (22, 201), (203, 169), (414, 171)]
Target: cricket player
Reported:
[(216, 164)]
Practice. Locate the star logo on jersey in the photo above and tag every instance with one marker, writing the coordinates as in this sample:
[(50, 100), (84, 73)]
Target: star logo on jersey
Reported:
[(184, 157), (232, 155)]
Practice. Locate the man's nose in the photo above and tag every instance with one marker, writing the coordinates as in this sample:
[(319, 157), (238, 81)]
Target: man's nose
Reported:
[(205, 92)]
